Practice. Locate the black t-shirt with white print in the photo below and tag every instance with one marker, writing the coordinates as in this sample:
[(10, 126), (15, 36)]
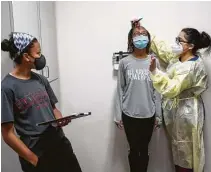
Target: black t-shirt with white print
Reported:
[(26, 103)]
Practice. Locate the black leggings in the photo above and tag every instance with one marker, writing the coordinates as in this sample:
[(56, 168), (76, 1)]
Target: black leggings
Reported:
[(56, 154), (138, 132)]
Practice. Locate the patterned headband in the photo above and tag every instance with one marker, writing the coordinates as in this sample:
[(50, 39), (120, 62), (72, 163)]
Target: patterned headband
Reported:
[(21, 40)]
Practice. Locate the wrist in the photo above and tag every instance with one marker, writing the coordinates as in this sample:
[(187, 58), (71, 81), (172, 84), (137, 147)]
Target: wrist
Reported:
[(33, 159), (154, 71), (58, 115), (159, 120)]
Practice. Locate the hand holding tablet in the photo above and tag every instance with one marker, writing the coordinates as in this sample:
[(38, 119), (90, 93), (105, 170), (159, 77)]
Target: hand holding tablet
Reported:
[(65, 120)]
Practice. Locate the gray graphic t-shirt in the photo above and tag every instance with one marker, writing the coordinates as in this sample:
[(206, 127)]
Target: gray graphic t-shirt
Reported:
[(26, 103)]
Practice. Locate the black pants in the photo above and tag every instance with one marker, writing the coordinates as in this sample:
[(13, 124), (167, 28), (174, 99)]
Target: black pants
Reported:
[(55, 154), (138, 133)]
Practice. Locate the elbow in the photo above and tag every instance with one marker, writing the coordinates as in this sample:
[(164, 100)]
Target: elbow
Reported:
[(5, 137), (8, 138), (7, 132)]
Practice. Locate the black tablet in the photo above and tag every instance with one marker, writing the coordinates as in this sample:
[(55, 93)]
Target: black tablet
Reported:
[(80, 115)]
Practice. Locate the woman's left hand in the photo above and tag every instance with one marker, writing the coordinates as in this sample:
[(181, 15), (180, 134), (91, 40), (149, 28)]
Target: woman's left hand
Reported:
[(152, 64), (61, 122)]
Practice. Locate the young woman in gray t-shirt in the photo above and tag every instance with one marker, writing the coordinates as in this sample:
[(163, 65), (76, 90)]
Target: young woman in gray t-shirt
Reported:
[(27, 99)]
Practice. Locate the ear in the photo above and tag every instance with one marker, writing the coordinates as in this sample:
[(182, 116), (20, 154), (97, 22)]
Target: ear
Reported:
[(191, 46), (26, 57)]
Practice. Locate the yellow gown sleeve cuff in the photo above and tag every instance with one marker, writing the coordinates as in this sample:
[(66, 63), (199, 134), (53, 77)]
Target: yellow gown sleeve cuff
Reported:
[(156, 75), (156, 71)]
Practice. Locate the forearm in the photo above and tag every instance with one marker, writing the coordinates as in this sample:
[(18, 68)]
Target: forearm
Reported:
[(158, 102), (57, 113), (19, 147)]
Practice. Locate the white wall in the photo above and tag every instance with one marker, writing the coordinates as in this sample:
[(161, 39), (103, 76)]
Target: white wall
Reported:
[(87, 34), (49, 42), (26, 17), (6, 21)]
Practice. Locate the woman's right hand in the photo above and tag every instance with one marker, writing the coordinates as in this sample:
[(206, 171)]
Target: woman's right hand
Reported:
[(34, 160), (120, 125), (9, 136)]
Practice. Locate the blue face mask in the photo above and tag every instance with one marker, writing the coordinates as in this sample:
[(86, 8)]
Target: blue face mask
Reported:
[(140, 41)]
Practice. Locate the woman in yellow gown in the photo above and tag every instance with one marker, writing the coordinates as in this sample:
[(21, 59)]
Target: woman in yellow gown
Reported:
[(181, 86)]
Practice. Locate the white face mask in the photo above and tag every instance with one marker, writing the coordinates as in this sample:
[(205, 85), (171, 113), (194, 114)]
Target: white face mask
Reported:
[(177, 49)]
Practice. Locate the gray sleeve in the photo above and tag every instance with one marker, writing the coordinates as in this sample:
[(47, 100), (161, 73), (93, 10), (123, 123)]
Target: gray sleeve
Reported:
[(157, 98), (49, 90), (7, 114), (158, 107), (51, 94), (120, 88)]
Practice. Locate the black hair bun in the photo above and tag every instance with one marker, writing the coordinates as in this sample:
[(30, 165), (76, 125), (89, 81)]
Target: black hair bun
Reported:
[(205, 40), (5, 45)]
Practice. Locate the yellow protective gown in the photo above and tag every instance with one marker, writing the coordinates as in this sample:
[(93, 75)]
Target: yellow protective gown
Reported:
[(181, 87)]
